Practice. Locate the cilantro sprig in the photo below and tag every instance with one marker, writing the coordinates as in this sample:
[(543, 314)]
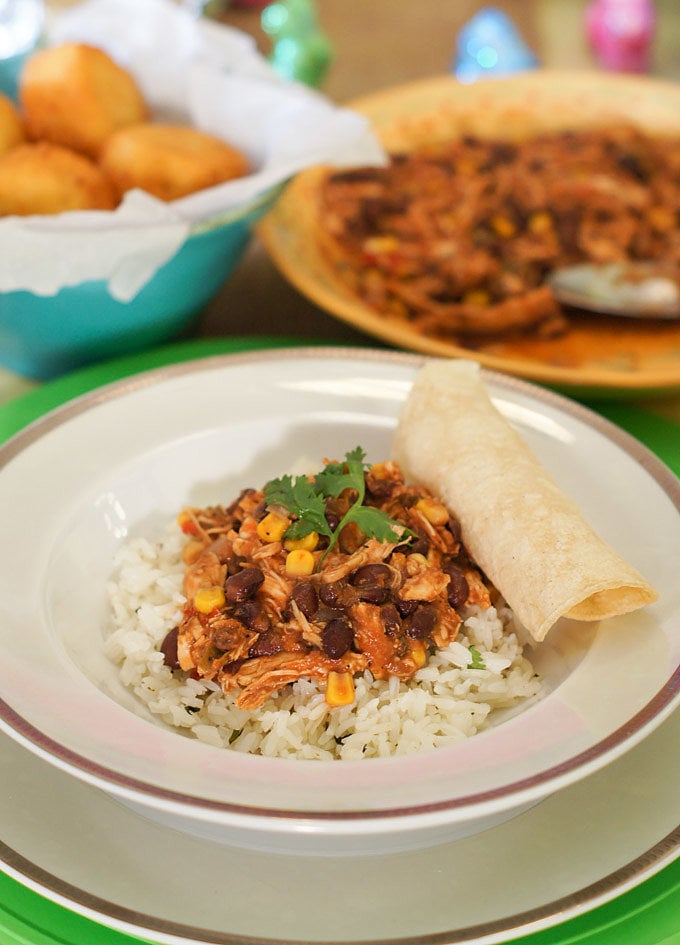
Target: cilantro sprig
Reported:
[(305, 498), (477, 660)]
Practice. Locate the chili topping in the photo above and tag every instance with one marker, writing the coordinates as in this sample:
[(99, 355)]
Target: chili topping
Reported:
[(321, 577)]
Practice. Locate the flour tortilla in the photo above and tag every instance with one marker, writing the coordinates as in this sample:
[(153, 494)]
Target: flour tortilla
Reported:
[(529, 538)]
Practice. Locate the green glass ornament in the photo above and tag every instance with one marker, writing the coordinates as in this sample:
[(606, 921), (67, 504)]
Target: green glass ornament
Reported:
[(301, 51)]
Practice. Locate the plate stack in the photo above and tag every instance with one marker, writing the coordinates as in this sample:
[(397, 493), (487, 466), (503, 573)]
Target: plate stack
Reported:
[(558, 822)]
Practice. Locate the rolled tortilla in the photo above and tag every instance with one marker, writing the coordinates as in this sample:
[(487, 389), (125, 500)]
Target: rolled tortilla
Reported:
[(529, 538)]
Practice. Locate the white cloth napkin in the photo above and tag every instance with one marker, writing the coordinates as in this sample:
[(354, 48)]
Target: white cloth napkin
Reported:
[(192, 71)]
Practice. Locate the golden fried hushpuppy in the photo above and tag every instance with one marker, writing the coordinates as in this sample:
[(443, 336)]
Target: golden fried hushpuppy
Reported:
[(11, 126), (38, 178), (76, 95), (169, 161)]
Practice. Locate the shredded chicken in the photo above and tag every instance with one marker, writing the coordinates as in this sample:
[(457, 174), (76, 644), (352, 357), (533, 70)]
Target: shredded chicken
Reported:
[(457, 240), (254, 625), (340, 566), (427, 585)]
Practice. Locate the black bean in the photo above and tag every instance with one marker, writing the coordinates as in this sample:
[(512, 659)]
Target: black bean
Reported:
[(336, 638), (374, 594), (324, 614), (251, 615), (259, 511), (337, 595), (305, 596), (333, 519), (419, 545), (371, 574), (390, 618), (457, 589), (242, 585), (330, 593), (234, 506), (634, 166), (372, 583), (233, 667), (405, 607), (235, 564), (379, 488), (453, 526), (227, 636), (169, 649), (267, 644), (422, 622), (503, 153)]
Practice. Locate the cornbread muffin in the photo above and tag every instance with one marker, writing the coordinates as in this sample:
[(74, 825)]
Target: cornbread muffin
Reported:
[(11, 126), (39, 178), (76, 95), (169, 161)]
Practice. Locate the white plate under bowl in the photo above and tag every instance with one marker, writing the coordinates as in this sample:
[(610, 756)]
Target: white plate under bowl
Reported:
[(580, 848), (122, 460)]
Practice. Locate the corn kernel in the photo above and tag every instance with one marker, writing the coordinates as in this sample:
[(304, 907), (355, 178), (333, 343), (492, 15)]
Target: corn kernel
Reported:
[(662, 218), (208, 599), (434, 512), (418, 653), (476, 297), (540, 222), (466, 166), (308, 543), (380, 471), (299, 562), (503, 226), (375, 245), (339, 689), (272, 527)]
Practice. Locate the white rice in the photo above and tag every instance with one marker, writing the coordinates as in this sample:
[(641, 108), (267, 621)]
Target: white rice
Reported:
[(445, 702)]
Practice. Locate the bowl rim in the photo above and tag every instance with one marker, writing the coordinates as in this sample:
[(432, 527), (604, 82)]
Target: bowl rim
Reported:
[(451, 809), (260, 201)]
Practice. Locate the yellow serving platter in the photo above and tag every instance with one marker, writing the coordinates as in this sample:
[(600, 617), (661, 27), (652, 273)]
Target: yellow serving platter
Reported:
[(599, 353)]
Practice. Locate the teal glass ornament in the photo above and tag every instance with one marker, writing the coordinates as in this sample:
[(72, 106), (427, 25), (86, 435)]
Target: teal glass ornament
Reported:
[(301, 51)]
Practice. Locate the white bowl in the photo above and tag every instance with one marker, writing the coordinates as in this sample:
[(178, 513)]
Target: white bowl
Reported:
[(123, 460)]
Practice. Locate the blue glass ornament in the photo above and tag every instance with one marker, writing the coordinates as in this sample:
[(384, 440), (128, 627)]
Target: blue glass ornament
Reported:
[(491, 45)]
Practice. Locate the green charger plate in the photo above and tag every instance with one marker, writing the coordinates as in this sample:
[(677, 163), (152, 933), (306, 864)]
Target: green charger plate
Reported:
[(648, 914)]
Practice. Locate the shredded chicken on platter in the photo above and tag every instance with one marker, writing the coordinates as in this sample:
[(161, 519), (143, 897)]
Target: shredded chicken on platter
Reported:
[(263, 611), (457, 240)]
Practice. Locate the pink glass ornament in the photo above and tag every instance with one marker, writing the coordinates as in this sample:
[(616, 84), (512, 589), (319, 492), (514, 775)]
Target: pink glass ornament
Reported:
[(621, 33)]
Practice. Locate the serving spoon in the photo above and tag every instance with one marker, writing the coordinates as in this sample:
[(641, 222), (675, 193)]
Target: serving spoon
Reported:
[(631, 289)]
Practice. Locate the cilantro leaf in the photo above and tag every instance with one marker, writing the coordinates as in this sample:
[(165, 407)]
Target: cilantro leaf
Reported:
[(375, 524), (336, 477), (305, 498), (476, 662), (300, 498)]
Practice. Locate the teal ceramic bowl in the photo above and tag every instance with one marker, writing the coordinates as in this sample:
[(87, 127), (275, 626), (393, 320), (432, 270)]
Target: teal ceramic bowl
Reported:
[(42, 337), (10, 68)]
